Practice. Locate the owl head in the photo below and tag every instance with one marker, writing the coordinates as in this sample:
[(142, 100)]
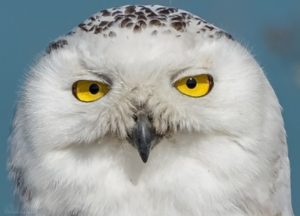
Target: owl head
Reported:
[(143, 76)]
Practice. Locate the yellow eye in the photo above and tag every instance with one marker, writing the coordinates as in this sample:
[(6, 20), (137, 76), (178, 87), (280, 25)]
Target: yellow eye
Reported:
[(195, 86), (89, 91)]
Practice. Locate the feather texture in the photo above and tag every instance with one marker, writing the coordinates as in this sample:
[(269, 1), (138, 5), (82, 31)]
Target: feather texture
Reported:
[(223, 154)]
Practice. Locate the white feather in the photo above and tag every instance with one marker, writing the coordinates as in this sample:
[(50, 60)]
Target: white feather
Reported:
[(227, 154)]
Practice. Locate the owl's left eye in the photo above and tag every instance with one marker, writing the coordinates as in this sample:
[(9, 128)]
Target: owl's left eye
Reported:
[(89, 91), (195, 86)]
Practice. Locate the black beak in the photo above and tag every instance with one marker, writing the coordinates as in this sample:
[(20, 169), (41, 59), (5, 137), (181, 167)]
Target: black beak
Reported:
[(143, 136)]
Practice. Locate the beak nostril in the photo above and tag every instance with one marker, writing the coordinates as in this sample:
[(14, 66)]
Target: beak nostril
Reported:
[(150, 117)]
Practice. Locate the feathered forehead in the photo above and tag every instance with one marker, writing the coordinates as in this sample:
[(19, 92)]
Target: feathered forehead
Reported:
[(155, 19)]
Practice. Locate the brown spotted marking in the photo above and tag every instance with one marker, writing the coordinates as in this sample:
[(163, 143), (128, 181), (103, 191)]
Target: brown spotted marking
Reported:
[(142, 24), (93, 18), (129, 25), (141, 17), (116, 12), (137, 18), (105, 13), (56, 45), (155, 23), (177, 18), (82, 26), (210, 28), (137, 28), (179, 26), (130, 9), (98, 30), (103, 23), (125, 21)]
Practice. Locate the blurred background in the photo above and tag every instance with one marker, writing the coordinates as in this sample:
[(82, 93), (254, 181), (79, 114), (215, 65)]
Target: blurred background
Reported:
[(269, 29)]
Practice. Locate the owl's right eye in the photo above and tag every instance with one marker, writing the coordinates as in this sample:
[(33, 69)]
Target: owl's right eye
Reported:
[(89, 91), (195, 86)]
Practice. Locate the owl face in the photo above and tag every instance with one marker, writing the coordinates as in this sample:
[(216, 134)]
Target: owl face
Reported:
[(141, 75)]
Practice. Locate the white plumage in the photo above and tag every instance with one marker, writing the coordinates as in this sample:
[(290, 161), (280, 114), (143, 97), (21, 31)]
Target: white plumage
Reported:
[(222, 154)]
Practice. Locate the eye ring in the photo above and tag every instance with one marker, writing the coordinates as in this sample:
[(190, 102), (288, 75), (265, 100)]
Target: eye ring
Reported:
[(195, 86), (89, 90)]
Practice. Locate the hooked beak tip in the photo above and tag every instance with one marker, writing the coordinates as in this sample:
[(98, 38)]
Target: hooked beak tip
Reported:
[(144, 156)]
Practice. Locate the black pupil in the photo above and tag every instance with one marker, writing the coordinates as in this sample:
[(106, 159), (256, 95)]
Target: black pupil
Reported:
[(191, 83), (94, 88)]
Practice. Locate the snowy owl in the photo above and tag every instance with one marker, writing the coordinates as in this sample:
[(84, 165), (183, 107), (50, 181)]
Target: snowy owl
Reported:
[(149, 110)]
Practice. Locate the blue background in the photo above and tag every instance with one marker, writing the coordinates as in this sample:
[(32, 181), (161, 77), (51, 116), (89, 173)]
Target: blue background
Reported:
[(269, 29)]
